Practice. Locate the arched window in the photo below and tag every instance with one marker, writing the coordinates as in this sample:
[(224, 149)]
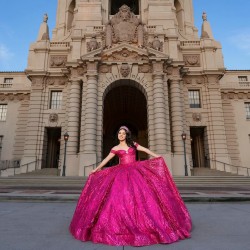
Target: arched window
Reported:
[(116, 4), (179, 15), (70, 14)]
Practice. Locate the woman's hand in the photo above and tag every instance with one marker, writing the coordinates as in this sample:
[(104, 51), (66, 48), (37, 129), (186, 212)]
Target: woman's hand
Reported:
[(95, 170)]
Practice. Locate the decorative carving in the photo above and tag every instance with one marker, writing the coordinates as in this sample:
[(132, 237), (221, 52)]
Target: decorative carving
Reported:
[(199, 80), (82, 71), (197, 117), (156, 44), (104, 69), (37, 81), (157, 67), (124, 56), (51, 81), (53, 117), (124, 27), (145, 68), (124, 70), (192, 60), (58, 61), (93, 44)]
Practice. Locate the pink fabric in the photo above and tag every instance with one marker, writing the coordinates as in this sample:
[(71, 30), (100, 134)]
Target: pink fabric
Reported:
[(135, 203)]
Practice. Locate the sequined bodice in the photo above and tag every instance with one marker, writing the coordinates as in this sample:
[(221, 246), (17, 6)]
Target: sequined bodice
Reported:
[(126, 156)]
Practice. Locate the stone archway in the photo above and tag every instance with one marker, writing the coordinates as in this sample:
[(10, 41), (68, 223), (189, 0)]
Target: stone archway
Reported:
[(125, 104)]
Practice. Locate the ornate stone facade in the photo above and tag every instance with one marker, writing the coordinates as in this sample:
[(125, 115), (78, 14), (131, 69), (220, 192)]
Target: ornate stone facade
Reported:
[(100, 71)]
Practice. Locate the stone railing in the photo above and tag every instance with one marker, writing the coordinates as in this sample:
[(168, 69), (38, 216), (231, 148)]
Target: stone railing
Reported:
[(60, 44), (6, 85), (190, 43)]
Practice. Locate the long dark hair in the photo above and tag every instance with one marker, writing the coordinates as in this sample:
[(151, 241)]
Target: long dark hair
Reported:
[(129, 139)]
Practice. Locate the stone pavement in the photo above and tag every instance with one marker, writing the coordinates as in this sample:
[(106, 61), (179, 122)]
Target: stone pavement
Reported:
[(44, 226)]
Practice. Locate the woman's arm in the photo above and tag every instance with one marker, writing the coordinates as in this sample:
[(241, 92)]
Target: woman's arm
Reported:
[(146, 150), (104, 162)]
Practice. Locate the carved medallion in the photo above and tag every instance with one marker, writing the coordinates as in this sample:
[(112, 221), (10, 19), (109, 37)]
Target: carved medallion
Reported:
[(58, 61), (192, 60)]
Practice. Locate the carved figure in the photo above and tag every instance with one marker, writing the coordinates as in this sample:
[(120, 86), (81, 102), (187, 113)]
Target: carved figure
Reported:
[(124, 27), (92, 44), (204, 16), (124, 70), (156, 44), (45, 18)]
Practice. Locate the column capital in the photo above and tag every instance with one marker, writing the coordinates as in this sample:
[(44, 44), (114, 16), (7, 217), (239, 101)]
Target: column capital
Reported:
[(92, 68), (157, 68)]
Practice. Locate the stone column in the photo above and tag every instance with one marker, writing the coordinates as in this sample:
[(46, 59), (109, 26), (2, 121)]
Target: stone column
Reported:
[(88, 145), (159, 109), (73, 117), (176, 115), (34, 129)]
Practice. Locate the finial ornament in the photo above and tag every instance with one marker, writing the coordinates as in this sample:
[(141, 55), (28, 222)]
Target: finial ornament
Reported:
[(204, 16)]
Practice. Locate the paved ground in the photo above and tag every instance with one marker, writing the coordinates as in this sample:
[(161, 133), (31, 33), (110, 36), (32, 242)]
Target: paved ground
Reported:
[(44, 225)]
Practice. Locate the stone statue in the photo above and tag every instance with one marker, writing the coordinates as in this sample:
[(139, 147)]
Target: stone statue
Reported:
[(156, 44), (204, 16), (92, 44), (124, 27), (45, 18)]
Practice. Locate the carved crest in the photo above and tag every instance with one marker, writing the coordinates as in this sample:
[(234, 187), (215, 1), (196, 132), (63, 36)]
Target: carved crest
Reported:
[(192, 60), (124, 27)]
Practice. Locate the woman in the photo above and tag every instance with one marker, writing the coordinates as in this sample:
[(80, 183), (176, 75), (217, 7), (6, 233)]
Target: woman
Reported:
[(134, 203)]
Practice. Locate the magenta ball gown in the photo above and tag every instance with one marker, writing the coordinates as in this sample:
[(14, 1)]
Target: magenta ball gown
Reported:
[(134, 203)]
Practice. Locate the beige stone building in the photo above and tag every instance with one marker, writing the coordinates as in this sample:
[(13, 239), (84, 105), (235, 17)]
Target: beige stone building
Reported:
[(123, 62)]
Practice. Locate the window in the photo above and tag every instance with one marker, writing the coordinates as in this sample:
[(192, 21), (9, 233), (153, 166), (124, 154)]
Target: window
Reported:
[(116, 4), (194, 98), (56, 100), (8, 80), (3, 112), (247, 106), (242, 78)]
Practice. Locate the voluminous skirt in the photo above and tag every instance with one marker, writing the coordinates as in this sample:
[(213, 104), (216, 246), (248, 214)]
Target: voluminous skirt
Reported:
[(133, 204)]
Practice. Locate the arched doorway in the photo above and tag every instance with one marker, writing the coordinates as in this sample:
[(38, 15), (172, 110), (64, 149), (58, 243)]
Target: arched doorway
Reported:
[(125, 104)]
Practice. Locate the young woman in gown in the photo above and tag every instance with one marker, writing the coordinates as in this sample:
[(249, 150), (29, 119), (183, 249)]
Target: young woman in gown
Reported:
[(134, 203)]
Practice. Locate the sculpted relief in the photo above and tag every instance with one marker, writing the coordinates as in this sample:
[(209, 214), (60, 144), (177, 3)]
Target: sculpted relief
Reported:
[(124, 27)]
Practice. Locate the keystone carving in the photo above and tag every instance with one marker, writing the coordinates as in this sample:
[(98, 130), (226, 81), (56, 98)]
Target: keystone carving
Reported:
[(124, 70)]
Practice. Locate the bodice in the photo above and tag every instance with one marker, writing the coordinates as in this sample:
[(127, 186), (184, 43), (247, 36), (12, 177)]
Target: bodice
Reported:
[(126, 156)]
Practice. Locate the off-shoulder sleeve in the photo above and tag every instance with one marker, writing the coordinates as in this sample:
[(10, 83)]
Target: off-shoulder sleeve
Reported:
[(113, 151), (136, 144)]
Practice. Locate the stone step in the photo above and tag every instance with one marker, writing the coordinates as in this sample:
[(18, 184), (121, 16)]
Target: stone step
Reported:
[(210, 172), (57, 181)]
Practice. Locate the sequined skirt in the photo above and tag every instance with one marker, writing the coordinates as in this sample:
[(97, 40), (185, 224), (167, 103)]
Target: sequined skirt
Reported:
[(133, 204)]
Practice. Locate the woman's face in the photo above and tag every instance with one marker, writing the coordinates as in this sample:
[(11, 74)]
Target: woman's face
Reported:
[(122, 135)]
